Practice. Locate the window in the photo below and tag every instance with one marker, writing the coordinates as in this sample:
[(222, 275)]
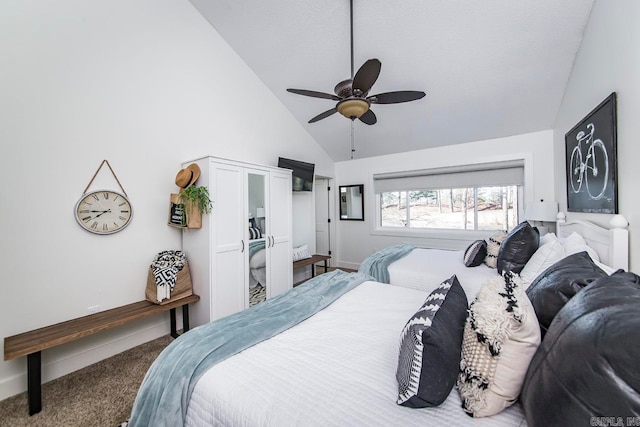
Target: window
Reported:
[(474, 208), (474, 197)]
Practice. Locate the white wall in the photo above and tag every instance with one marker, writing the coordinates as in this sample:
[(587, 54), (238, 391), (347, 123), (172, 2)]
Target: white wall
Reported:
[(146, 84), (355, 240), (608, 61)]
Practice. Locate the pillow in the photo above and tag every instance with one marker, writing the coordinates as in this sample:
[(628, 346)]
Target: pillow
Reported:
[(551, 290), (575, 243), (301, 252), (548, 238), (501, 335), (516, 249), (493, 247), (258, 259), (546, 255), (475, 253), (430, 343), (587, 365), (254, 233)]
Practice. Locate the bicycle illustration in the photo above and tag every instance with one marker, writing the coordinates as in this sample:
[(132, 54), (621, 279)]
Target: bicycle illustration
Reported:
[(594, 170)]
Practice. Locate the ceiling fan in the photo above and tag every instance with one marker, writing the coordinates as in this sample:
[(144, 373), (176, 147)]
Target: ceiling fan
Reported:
[(353, 97)]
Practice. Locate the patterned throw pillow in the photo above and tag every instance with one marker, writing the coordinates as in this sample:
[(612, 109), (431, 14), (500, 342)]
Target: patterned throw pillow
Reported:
[(475, 253), (429, 357), (501, 336), (254, 233), (493, 248)]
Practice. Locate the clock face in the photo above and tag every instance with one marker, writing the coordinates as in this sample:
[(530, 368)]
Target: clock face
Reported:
[(103, 212)]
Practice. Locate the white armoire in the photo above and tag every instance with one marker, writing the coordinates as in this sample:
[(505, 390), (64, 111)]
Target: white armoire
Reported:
[(244, 196)]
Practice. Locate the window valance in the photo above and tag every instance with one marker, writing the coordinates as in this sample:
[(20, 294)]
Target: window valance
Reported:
[(484, 174)]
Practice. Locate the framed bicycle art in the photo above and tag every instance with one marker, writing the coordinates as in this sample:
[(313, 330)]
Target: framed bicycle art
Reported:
[(591, 161)]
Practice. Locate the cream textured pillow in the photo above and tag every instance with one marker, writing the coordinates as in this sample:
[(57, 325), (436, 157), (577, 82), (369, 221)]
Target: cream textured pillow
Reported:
[(501, 336), (493, 248), (546, 255)]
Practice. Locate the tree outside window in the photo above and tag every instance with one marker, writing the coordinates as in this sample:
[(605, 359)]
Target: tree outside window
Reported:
[(473, 208)]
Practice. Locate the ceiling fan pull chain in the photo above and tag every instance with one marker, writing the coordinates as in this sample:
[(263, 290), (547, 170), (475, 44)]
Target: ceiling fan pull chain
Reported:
[(353, 144)]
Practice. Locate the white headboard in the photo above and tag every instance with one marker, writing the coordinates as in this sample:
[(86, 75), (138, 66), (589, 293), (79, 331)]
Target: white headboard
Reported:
[(611, 244)]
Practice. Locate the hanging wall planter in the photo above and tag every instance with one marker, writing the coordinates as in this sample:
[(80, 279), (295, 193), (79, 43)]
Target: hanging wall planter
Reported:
[(196, 202), (187, 207)]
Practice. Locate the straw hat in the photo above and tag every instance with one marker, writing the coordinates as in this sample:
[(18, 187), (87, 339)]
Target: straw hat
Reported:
[(188, 176)]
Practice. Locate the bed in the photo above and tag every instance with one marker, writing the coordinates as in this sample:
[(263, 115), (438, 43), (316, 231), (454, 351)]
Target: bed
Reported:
[(324, 353), (308, 376), (422, 268)]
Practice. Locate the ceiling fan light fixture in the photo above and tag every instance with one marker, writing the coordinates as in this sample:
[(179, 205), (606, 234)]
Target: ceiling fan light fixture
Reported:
[(353, 108)]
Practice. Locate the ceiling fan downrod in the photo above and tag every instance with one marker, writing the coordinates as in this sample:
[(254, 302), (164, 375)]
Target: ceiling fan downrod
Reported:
[(351, 27)]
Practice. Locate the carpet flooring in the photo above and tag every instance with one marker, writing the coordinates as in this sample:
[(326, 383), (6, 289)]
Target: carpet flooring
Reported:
[(99, 395)]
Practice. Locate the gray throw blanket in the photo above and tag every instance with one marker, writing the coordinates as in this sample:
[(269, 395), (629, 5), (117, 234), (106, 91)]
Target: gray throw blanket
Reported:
[(165, 392), (377, 264)]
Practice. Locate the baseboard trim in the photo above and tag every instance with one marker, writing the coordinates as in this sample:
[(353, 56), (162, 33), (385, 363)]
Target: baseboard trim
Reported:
[(350, 265)]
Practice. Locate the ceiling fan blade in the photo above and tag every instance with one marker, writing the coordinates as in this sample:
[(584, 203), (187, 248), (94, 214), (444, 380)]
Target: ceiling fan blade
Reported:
[(396, 97), (369, 118), (314, 94), (366, 76), (324, 115)]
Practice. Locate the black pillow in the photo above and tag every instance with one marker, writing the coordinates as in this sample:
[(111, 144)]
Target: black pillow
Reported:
[(551, 290), (475, 253), (516, 249), (430, 347), (587, 365)]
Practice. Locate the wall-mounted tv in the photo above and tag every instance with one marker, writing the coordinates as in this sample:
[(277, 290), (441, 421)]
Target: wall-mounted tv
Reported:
[(302, 175)]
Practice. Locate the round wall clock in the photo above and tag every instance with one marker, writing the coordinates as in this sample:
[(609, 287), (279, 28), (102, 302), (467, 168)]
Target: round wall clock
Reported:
[(103, 212)]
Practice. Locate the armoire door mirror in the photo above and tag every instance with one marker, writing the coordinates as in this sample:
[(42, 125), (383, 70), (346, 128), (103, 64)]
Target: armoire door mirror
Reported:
[(352, 202), (257, 271)]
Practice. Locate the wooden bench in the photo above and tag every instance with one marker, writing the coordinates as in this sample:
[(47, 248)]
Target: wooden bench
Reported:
[(312, 262), (31, 343)]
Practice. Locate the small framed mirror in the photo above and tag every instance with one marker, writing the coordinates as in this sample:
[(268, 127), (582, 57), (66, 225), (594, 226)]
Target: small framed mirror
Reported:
[(352, 202)]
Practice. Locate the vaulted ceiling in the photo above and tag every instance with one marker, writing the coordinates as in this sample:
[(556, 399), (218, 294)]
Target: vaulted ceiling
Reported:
[(490, 68)]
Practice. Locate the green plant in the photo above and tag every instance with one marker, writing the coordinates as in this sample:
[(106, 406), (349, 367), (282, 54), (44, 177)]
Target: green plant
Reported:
[(196, 196)]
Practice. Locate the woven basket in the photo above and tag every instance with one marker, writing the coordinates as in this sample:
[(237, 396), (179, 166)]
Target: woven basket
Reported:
[(183, 287)]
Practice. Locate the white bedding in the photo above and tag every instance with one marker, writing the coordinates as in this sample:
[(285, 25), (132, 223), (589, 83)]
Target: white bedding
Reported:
[(337, 368), (425, 269)]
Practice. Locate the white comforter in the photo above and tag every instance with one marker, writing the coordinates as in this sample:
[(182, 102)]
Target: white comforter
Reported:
[(425, 269), (337, 368)]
